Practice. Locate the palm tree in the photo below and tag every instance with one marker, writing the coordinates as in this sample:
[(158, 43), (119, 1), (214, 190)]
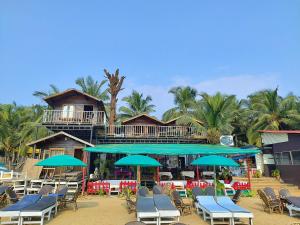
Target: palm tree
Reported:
[(216, 112), (269, 111), (114, 87), (42, 94), (136, 105), (89, 86), (184, 99)]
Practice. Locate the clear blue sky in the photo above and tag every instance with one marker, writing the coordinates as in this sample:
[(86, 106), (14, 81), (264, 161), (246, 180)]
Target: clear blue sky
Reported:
[(235, 47)]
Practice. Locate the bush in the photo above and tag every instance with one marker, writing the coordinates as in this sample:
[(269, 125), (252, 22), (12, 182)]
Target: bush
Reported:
[(275, 173), (257, 174)]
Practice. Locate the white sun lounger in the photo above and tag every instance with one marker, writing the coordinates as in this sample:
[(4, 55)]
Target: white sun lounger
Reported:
[(293, 205), (207, 206), (237, 211), (13, 211), (146, 211), (44, 207), (168, 213)]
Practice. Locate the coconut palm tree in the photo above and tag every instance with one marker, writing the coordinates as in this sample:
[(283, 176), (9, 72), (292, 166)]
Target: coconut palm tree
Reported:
[(136, 105), (42, 94), (184, 99), (216, 112), (269, 111), (90, 86)]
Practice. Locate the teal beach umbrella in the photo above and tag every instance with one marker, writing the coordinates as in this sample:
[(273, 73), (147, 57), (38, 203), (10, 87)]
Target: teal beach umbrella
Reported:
[(214, 160), (61, 161), (139, 161)]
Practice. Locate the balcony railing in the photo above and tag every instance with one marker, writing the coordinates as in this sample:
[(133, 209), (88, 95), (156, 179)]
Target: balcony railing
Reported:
[(73, 117), (149, 131)]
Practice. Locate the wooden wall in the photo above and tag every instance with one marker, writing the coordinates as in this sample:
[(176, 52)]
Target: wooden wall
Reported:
[(142, 120)]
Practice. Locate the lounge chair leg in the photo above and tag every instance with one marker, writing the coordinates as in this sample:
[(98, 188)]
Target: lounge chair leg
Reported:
[(251, 221), (42, 220), (211, 221)]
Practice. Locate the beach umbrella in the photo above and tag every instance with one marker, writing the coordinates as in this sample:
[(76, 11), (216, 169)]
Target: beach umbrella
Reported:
[(214, 160), (61, 161), (138, 161)]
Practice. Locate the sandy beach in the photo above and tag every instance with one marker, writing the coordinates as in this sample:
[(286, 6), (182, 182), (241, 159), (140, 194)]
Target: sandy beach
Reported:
[(95, 210)]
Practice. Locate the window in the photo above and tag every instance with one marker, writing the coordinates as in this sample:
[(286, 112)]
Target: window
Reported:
[(277, 158), (68, 111), (286, 158), (52, 152), (296, 157)]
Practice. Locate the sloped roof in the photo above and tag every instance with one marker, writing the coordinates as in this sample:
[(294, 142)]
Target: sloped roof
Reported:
[(172, 120), (141, 115), (51, 98), (59, 134)]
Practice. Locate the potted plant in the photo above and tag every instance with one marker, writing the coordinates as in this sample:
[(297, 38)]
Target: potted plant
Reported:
[(276, 174)]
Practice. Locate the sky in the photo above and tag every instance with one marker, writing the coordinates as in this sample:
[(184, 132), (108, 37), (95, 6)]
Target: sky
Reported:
[(235, 47)]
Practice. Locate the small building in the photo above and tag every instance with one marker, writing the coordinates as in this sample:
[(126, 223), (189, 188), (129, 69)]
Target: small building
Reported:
[(281, 150)]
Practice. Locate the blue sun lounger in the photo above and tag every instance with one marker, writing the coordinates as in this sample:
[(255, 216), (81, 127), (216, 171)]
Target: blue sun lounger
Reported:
[(168, 213), (13, 211), (237, 211), (207, 206), (146, 211), (44, 207)]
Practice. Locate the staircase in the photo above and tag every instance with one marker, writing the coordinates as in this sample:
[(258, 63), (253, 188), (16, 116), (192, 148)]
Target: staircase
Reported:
[(260, 183)]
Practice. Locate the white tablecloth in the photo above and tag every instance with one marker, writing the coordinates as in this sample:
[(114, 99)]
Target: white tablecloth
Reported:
[(168, 174), (190, 174)]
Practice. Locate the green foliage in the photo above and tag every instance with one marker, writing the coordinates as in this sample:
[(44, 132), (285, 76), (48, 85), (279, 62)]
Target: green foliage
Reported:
[(101, 192), (257, 174), (189, 193), (42, 94), (275, 173), (92, 87), (249, 193), (135, 105)]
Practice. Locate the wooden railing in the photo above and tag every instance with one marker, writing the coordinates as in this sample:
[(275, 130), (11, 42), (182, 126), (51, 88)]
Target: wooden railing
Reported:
[(152, 131), (73, 117)]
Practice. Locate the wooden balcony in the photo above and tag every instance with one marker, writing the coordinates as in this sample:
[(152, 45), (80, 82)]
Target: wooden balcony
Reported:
[(64, 117), (151, 131)]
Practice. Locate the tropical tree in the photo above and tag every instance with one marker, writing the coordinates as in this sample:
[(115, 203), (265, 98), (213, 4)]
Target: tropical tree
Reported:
[(136, 105), (216, 113), (17, 128), (184, 99), (42, 94), (114, 87), (90, 86), (269, 111)]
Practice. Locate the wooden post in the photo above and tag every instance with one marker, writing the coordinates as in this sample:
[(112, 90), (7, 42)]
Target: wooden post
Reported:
[(138, 175), (157, 172), (84, 172), (197, 173), (249, 172)]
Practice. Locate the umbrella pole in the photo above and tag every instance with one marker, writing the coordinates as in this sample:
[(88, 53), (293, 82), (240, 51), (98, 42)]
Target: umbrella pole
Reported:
[(197, 173), (138, 175), (215, 181)]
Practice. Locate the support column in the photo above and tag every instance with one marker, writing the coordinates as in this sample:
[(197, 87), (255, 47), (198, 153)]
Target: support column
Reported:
[(249, 172)]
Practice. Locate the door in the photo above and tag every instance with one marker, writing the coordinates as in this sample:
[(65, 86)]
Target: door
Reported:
[(88, 113), (78, 154)]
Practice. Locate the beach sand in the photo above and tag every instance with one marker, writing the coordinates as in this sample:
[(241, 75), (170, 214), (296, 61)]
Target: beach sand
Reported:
[(96, 210)]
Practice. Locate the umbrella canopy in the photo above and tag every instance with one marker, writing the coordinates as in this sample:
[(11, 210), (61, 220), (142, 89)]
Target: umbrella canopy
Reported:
[(61, 161), (214, 160), (137, 160)]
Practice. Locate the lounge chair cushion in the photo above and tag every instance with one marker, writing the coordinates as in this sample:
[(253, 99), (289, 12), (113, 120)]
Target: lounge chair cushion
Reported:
[(26, 201), (209, 203), (294, 201), (44, 203), (227, 203), (163, 202), (145, 204)]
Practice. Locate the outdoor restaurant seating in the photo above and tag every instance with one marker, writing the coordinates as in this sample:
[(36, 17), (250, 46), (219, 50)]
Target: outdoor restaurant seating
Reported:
[(71, 198), (11, 195), (45, 190), (270, 205)]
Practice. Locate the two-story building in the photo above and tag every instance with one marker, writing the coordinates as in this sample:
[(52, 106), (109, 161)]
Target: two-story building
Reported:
[(79, 120)]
